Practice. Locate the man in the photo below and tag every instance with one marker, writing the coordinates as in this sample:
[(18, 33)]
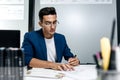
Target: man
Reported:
[(45, 48)]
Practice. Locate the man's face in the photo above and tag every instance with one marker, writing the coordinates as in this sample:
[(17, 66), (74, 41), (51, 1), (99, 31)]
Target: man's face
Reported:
[(49, 24)]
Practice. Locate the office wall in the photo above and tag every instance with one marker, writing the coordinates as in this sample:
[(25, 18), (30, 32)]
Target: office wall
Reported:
[(118, 19), (83, 25), (19, 13)]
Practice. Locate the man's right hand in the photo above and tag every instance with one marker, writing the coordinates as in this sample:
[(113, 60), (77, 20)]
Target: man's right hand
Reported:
[(62, 67), (47, 64)]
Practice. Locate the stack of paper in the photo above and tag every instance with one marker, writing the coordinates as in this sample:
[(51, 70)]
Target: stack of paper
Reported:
[(44, 73), (81, 72)]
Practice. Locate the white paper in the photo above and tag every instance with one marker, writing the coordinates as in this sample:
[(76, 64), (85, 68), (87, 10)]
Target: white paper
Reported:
[(82, 72), (44, 73)]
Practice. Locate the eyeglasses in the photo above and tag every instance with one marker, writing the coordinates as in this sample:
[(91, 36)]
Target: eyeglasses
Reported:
[(49, 24)]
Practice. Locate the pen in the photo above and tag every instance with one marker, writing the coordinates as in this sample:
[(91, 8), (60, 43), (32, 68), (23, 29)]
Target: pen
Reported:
[(72, 59), (74, 56), (97, 61)]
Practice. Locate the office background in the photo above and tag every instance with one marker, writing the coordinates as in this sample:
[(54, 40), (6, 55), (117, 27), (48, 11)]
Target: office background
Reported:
[(83, 24), (14, 15)]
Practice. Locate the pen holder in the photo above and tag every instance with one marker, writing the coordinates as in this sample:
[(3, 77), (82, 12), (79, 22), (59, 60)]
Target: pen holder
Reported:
[(108, 75)]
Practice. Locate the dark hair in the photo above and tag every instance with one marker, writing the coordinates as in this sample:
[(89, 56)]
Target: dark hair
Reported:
[(46, 11)]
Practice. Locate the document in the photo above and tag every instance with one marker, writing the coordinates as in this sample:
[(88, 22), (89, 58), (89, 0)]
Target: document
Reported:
[(81, 72), (44, 73)]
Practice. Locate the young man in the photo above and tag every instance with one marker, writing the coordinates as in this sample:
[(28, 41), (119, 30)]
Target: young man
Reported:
[(45, 48)]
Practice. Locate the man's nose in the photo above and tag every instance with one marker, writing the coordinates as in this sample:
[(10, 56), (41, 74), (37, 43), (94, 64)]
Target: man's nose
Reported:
[(53, 25)]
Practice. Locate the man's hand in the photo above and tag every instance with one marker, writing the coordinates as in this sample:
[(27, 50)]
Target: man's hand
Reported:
[(63, 67), (47, 64), (74, 61)]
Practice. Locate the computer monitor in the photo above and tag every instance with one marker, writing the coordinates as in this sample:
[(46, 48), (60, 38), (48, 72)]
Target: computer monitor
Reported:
[(10, 38)]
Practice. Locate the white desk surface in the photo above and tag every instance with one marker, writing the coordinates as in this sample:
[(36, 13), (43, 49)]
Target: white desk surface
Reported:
[(82, 72)]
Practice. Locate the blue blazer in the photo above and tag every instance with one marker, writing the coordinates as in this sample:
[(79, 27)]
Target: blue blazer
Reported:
[(35, 47)]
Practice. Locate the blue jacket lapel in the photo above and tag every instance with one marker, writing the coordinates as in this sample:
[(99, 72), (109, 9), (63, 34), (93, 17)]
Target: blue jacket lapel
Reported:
[(42, 44), (58, 52)]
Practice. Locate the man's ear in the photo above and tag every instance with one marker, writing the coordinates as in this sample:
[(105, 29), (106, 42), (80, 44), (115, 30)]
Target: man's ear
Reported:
[(40, 23)]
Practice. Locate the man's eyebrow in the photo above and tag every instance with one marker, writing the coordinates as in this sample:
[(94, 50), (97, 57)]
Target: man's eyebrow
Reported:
[(47, 21), (50, 21)]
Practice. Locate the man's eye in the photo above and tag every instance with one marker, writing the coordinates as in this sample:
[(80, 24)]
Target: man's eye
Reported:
[(47, 23), (54, 22)]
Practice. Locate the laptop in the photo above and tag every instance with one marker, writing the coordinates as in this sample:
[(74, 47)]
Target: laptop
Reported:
[(10, 38)]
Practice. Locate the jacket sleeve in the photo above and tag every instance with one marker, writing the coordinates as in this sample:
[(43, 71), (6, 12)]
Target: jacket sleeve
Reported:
[(28, 50), (67, 52)]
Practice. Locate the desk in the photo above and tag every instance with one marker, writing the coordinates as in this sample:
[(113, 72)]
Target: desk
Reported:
[(82, 72)]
